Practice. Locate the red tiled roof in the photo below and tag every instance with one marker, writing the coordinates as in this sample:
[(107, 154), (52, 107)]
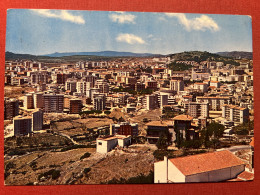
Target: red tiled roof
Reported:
[(206, 162), (236, 179), (252, 143), (183, 117), (200, 83), (246, 176), (159, 123)]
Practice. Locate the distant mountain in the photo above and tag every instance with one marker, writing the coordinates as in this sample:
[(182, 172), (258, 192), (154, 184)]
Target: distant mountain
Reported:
[(237, 54), (102, 53)]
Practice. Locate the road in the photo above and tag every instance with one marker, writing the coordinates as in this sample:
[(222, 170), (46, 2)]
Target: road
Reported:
[(236, 148), (64, 135)]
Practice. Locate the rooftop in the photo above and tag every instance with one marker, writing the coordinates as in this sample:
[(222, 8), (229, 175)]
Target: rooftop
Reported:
[(183, 117), (206, 162), (160, 123), (245, 176)]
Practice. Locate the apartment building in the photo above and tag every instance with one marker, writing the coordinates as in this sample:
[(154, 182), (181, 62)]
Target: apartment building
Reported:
[(197, 110), (124, 128), (28, 101), (22, 125), (37, 120), (177, 85), (100, 102), (235, 113), (215, 103), (53, 103), (11, 108), (151, 102), (75, 106)]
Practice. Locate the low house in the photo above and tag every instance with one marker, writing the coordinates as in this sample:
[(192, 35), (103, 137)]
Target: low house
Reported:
[(208, 167), (106, 144)]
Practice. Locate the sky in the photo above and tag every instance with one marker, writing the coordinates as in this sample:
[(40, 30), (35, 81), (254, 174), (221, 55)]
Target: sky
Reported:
[(43, 31)]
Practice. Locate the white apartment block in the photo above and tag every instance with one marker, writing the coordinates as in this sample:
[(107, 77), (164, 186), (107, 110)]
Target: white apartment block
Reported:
[(203, 87), (71, 85), (215, 103), (83, 86), (102, 86), (151, 102), (177, 85), (235, 113)]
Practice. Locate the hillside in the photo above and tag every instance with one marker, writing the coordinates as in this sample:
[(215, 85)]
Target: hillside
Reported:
[(48, 59), (199, 56), (237, 54), (76, 56)]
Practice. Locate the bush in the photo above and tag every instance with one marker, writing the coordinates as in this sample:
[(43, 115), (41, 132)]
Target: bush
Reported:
[(74, 147), (107, 112), (9, 166), (33, 165), (87, 170), (86, 155), (145, 120), (140, 179), (159, 154), (55, 174), (16, 152)]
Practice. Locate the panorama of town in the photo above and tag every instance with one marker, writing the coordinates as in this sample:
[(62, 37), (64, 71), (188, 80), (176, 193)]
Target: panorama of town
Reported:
[(179, 118)]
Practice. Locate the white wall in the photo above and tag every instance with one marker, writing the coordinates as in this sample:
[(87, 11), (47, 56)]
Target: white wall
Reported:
[(174, 174), (104, 146), (101, 146), (160, 172)]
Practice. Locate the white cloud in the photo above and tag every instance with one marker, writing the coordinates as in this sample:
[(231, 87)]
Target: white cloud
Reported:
[(200, 23), (60, 14), (162, 18), (130, 39), (122, 17)]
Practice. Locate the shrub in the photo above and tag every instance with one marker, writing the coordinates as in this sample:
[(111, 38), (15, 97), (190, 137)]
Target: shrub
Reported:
[(107, 112), (74, 147), (16, 152), (55, 174), (87, 170), (86, 155), (33, 164), (159, 154), (140, 179)]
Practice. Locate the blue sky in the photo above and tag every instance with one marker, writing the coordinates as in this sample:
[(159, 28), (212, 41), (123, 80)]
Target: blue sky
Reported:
[(41, 32)]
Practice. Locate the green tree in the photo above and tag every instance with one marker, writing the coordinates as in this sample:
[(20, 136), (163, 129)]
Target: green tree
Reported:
[(211, 134), (216, 130), (162, 142), (107, 112)]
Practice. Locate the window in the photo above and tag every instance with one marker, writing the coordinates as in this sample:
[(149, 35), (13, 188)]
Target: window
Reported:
[(100, 143)]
